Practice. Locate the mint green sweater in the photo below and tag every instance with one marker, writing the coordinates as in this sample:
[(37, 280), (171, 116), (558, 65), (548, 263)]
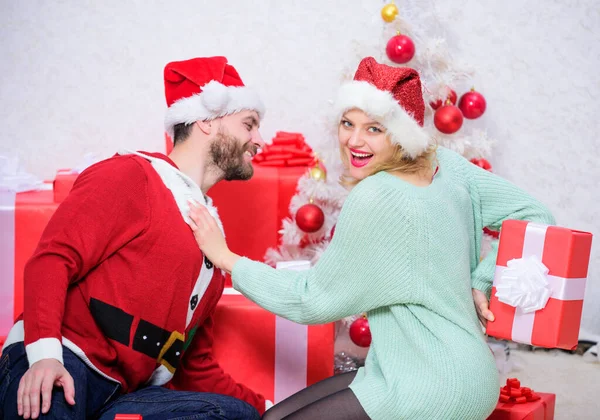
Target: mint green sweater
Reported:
[(408, 256)]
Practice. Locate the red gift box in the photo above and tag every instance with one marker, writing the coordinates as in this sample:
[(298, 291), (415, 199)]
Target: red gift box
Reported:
[(537, 295), (542, 409), (23, 217), (521, 403), (65, 178), (271, 355), (252, 211)]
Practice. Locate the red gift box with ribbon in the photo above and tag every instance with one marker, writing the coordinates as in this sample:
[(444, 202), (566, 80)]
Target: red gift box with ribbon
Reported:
[(252, 211), (271, 355), (521, 403), (539, 284)]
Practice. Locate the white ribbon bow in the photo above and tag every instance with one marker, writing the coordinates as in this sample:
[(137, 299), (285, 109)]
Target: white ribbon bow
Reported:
[(524, 284)]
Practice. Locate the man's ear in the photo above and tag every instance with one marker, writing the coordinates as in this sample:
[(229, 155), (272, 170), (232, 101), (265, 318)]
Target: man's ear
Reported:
[(206, 127)]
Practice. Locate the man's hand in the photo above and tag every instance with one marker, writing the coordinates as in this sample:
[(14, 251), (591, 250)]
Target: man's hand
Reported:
[(482, 306), (41, 377)]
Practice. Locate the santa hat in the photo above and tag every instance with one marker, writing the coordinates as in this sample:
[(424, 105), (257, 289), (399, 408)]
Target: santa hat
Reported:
[(393, 97), (203, 89)]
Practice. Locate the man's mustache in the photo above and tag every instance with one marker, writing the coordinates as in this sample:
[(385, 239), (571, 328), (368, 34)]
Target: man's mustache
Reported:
[(252, 148)]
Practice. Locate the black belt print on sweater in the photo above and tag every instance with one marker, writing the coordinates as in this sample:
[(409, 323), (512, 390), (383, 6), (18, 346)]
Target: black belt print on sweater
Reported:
[(164, 346)]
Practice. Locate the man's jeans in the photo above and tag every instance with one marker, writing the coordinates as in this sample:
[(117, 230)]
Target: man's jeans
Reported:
[(98, 397)]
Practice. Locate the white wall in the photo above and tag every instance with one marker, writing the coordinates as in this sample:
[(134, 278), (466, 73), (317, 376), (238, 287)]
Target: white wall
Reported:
[(86, 76)]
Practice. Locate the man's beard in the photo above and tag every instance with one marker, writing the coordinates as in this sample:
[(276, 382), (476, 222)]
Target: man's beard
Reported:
[(228, 155)]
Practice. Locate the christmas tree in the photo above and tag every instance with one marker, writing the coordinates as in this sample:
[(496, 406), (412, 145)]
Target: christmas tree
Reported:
[(452, 121)]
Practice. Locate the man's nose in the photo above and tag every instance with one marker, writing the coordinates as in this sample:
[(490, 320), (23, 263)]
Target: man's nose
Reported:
[(257, 139)]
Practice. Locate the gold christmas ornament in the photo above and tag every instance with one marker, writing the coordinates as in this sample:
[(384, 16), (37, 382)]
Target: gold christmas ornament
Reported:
[(317, 174), (389, 12)]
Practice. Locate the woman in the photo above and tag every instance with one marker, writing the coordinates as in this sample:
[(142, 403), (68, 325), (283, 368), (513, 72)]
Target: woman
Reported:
[(406, 252)]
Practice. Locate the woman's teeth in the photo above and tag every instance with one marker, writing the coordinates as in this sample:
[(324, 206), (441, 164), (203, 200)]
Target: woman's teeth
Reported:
[(360, 159), (361, 155)]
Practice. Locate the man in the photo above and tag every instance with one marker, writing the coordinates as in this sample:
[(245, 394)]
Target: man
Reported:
[(118, 297)]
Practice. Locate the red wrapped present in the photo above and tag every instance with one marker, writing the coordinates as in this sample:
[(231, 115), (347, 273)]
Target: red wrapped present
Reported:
[(521, 403), (271, 355), (65, 178), (252, 211), (537, 295)]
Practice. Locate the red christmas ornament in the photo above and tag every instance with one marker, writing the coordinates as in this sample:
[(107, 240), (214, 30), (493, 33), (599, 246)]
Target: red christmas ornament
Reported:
[(310, 218), (400, 49), (360, 333), (448, 119), (472, 104), (452, 97), (482, 163)]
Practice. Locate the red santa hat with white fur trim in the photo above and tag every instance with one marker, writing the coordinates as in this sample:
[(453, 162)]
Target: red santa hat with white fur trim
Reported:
[(205, 88), (393, 97)]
